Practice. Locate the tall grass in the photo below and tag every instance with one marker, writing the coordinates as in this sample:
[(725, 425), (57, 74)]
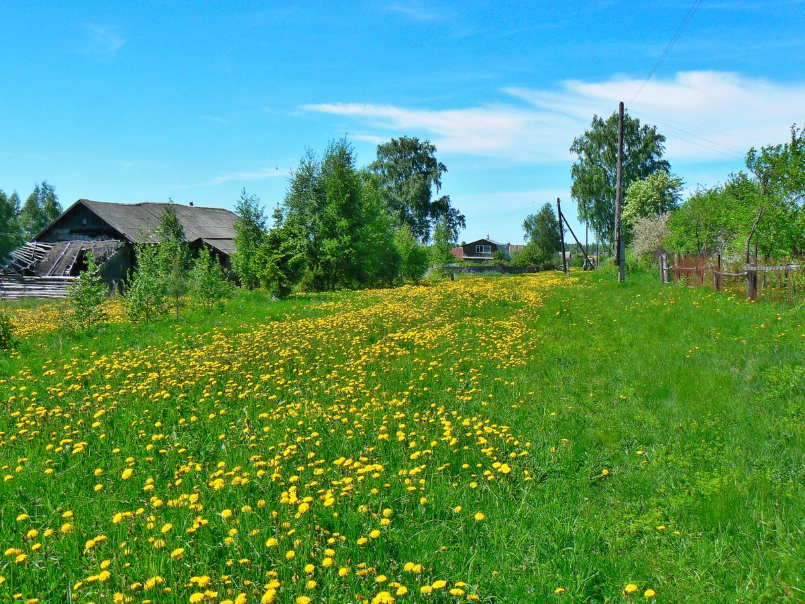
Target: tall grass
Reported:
[(518, 438)]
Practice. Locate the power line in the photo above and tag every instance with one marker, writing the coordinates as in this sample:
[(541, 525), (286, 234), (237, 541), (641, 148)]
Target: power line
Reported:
[(692, 142), (664, 54), (746, 138), (727, 147)]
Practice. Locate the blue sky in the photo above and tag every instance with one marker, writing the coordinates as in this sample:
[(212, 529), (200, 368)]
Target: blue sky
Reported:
[(194, 101)]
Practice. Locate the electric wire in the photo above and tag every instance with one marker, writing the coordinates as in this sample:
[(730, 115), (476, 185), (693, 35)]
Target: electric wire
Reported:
[(664, 54), (738, 136), (667, 125)]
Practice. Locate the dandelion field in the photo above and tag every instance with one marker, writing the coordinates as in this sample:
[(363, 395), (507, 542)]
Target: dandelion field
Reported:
[(499, 439)]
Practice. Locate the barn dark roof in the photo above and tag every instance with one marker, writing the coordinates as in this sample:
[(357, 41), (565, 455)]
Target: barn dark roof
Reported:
[(135, 220)]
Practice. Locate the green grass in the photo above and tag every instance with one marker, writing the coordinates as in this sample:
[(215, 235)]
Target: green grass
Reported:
[(693, 402)]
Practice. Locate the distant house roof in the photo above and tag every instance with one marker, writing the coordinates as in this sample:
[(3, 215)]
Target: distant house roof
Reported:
[(457, 252), (134, 220)]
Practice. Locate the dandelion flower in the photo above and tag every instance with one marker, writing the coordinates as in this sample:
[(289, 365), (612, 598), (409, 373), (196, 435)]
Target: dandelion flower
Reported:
[(630, 589), (479, 516), (649, 593)]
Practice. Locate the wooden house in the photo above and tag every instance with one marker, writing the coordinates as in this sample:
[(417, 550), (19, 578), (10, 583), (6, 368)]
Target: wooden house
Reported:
[(47, 264), (483, 249)]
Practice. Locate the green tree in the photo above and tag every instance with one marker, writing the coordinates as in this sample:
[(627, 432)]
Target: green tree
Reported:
[(381, 259), (595, 169), (87, 294), (779, 171), (40, 209), (146, 292), (250, 231), (440, 256), (413, 255), (330, 228), (658, 193), (208, 281), (541, 231), (10, 231), (411, 176), (173, 256)]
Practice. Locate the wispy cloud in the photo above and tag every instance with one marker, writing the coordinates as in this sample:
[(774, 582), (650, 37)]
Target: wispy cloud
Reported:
[(504, 131), (417, 11), (261, 174), (103, 40), (705, 115)]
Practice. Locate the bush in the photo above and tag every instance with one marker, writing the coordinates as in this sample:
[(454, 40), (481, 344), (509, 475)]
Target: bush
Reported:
[(648, 234), (7, 339), (208, 283), (146, 293), (87, 295)]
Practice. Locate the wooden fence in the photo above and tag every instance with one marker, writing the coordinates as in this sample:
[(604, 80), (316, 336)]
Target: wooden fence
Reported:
[(14, 287), (773, 282)]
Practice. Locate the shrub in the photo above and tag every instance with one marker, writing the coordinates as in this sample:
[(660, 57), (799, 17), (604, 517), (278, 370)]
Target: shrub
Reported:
[(208, 282), (146, 292), (648, 234), (7, 339), (87, 295)]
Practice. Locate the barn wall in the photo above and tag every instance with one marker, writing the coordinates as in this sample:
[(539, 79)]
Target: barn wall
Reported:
[(79, 224), (116, 270)]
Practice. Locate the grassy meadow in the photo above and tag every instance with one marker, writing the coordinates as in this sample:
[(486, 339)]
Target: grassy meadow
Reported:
[(530, 438)]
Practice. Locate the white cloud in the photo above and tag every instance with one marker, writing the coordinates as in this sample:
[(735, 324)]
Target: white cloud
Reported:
[(261, 174), (705, 115), (518, 134), (103, 39)]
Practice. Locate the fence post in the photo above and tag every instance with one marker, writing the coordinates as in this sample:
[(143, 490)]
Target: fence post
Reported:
[(663, 269), (718, 275), (788, 286), (751, 282)]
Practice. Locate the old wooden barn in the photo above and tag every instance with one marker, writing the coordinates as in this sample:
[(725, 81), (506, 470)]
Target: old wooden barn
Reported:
[(46, 265)]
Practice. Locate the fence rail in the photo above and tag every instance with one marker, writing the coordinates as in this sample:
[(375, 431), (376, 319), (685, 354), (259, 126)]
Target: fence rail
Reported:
[(773, 282), (14, 287)]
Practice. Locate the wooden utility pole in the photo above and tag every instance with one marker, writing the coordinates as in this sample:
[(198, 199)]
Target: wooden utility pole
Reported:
[(586, 243), (562, 236), (583, 251), (620, 251)]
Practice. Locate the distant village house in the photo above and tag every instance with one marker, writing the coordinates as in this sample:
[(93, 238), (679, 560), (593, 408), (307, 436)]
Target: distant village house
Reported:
[(482, 249)]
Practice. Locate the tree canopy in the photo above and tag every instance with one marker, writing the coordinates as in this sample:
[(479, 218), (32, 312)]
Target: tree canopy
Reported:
[(410, 177), (331, 230), (594, 172), (40, 209), (250, 231), (658, 193), (762, 206), (542, 234), (10, 231)]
